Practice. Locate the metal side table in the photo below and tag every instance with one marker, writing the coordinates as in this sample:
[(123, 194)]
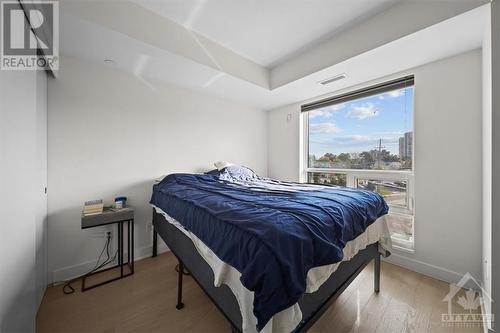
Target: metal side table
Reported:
[(119, 217)]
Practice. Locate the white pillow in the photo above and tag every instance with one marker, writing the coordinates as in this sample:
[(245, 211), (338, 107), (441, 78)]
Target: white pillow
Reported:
[(222, 164), (159, 179)]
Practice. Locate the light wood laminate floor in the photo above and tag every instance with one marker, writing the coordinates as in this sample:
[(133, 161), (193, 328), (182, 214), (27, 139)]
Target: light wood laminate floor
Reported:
[(145, 302)]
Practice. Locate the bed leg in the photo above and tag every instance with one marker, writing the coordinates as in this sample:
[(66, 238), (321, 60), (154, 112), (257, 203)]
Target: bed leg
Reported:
[(155, 242), (376, 273), (180, 305)]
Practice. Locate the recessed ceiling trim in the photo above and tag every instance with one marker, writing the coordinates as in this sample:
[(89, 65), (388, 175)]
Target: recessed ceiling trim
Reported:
[(406, 17), (143, 25)]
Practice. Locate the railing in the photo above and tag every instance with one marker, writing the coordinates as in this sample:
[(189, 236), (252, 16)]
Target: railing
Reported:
[(397, 212)]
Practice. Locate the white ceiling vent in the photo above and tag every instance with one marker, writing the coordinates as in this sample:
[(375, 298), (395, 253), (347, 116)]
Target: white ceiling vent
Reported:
[(333, 79)]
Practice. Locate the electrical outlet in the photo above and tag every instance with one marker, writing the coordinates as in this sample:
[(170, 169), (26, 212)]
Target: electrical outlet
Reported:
[(107, 234)]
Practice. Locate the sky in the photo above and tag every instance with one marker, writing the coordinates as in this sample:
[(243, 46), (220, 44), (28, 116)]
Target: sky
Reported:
[(357, 126)]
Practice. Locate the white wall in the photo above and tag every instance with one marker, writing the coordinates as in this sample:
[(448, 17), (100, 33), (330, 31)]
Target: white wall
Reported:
[(495, 234), (448, 184), (284, 143), (486, 152), (23, 272), (41, 237), (112, 134)]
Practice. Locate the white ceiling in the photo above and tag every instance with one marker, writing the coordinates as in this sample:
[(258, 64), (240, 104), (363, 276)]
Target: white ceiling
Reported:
[(266, 32), (152, 65)]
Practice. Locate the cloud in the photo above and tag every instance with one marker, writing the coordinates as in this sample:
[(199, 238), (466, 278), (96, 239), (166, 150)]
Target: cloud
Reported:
[(319, 113), (356, 139), (360, 137), (324, 128), (326, 112), (364, 111), (355, 143), (353, 139), (392, 94), (396, 93), (337, 107), (389, 136)]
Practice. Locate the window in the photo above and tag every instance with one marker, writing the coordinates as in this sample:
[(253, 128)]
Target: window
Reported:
[(394, 192), (338, 179), (364, 139)]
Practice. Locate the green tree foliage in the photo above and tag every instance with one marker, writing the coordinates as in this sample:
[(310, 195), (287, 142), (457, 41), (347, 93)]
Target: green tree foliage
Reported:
[(344, 157), (364, 160)]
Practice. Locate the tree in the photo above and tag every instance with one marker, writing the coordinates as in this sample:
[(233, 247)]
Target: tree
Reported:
[(363, 160), (386, 156), (330, 156), (315, 178), (366, 160), (338, 179), (344, 157)]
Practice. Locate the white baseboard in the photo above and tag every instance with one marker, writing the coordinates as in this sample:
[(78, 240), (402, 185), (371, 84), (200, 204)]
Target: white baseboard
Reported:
[(427, 269), (66, 273)]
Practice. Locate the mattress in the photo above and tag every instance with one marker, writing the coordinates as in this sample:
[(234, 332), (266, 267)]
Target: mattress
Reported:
[(272, 232), (288, 319)]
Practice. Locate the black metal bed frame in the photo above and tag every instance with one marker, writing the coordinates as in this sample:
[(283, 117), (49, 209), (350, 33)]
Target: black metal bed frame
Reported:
[(312, 305)]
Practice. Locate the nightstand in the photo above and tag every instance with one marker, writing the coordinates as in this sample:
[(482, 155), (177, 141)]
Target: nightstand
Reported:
[(109, 217)]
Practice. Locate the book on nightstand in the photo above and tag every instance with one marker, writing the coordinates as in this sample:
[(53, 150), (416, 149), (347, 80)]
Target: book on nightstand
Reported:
[(93, 207)]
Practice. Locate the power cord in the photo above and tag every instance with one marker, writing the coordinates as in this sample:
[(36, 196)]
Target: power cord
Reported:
[(68, 289)]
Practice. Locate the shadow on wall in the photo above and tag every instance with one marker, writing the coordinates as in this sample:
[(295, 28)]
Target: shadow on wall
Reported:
[(18, 317), (20, 310)]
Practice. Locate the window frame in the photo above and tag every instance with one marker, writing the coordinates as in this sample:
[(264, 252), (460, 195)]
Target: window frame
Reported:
[(352, 175)]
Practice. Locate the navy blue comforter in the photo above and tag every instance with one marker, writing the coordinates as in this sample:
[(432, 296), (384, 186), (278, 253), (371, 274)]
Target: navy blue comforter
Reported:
[(272, 232)]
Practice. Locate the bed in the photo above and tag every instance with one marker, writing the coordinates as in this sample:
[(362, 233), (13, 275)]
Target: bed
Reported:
[(271, 255)]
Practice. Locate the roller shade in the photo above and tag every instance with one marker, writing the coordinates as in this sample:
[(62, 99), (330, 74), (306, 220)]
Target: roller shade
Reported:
[(401, 83)]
